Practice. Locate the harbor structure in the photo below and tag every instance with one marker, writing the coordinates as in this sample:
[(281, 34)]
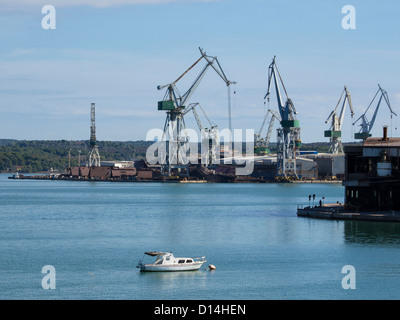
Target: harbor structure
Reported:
[(173, 159), (372, 180), (288, 135), (366, 125), (261, 144), (335, 131), (94, 156), (372, 183), (330, 166)]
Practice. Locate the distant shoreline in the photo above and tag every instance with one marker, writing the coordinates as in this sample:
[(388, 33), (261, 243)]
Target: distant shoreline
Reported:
[(62, 178)]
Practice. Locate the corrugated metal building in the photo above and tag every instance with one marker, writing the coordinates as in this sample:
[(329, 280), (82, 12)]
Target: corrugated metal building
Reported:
[(100, 172), (84, 172), (328, 165), (123, 173), (144, 174)]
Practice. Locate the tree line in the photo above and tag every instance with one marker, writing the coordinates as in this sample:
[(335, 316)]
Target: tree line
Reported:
[(30, 156)]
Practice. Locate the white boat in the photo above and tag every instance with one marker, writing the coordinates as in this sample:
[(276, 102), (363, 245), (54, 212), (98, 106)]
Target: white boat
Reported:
[(165, 261)]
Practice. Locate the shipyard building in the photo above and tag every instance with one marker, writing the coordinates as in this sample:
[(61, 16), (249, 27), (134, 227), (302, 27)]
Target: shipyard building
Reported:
[(372, 179)]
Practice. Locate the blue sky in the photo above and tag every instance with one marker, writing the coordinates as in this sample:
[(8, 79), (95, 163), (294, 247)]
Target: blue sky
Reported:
[(115, 53)]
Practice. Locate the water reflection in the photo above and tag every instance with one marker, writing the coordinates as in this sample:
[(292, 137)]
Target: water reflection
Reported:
[(366, 232), (172, 276), (165, 282)]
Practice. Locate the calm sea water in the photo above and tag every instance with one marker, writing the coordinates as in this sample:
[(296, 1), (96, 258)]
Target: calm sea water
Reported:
[(94, 233)]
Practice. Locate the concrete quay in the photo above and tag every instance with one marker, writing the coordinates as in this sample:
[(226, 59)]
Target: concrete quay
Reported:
[(340, 212)]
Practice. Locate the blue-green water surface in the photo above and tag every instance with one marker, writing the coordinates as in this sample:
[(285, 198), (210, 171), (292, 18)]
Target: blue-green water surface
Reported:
[(94, 233)]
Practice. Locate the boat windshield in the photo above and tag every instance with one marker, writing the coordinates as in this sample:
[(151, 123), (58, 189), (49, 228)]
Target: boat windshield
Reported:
[(158, 259)]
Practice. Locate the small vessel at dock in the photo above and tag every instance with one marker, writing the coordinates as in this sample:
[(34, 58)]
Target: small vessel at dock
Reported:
[(165, 261), (15, 176)]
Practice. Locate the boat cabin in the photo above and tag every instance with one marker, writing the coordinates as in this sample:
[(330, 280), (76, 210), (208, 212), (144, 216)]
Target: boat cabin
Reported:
[(163, 258)]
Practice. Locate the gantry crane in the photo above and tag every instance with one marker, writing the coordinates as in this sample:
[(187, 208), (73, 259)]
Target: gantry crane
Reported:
[(209, 136), (94, 156), (261, 144), (366, 126), (288, 139), (174, 156), (335, 131)]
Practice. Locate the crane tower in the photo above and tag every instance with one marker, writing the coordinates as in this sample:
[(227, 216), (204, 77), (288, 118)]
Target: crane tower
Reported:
[(174, 156), (261, 144), (209, 136), (335, 133), (288, 135), (366, 126), (94, 156)]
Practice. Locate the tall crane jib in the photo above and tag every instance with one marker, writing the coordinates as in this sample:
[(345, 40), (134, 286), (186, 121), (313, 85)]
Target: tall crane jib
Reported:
[(94, 156), (261, 144), (174, 134), (209, 136), (335, 131), (288, 135), (366, 125)]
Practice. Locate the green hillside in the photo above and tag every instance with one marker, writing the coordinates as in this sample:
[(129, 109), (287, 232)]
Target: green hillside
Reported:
[(43, 155), (30, 156)]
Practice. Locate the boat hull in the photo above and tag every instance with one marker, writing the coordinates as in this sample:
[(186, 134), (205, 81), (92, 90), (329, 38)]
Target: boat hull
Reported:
[(170, 268)]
